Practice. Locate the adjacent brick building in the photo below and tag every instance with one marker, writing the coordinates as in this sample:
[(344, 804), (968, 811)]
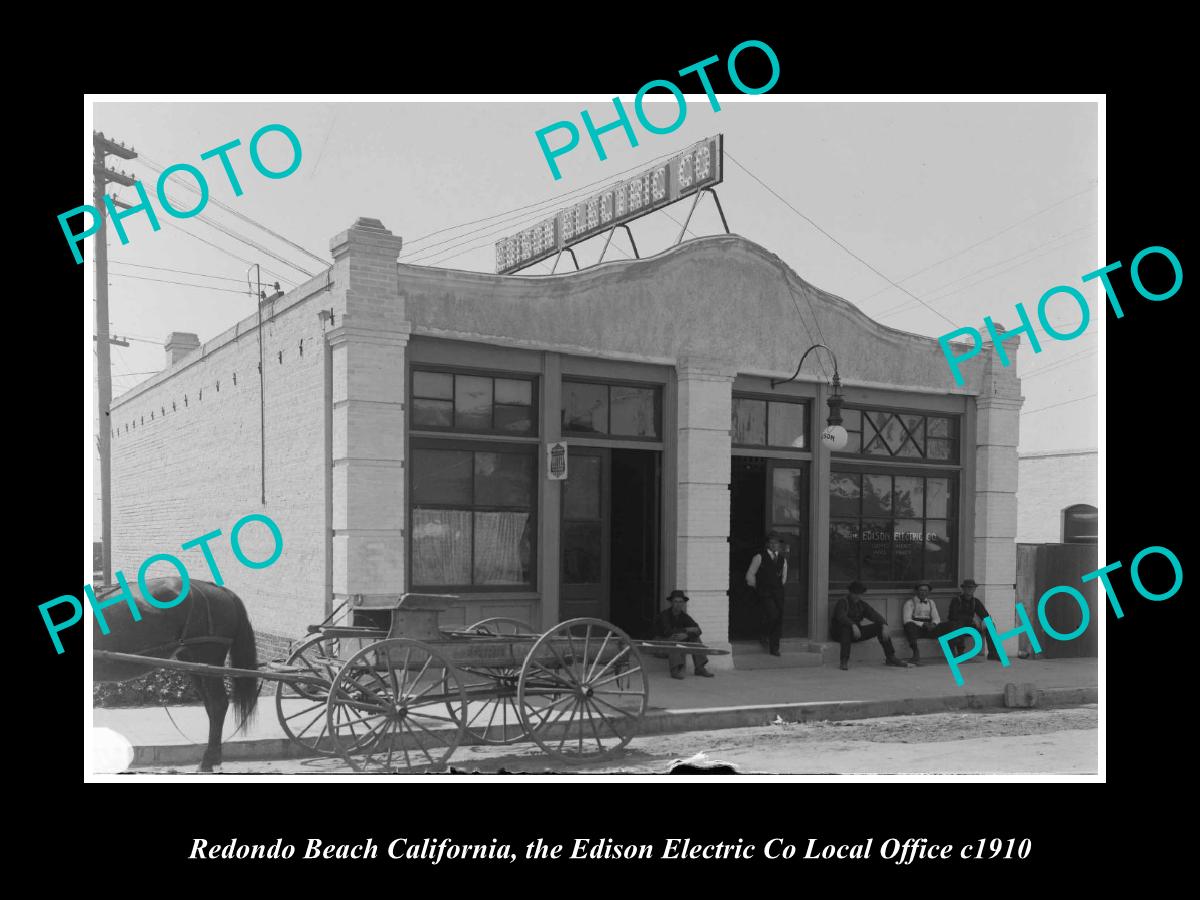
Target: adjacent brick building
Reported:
[(1059, 497), (408, 413)]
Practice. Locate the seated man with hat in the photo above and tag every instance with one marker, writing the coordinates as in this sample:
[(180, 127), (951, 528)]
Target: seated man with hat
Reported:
[(674, 624), (921, 620), (848, 628), (964, 610)]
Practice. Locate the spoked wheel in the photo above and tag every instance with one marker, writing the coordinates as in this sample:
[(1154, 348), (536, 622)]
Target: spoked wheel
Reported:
[(582, 691), (493, 714), (397, 705), (301, 706)]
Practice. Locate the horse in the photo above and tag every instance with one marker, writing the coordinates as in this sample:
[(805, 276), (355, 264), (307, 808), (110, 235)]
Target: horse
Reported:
[(208, 624)]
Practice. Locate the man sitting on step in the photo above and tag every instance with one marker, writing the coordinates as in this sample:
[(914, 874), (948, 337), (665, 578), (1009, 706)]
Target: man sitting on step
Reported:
[(848, 628), (674, 624), (921, 620)]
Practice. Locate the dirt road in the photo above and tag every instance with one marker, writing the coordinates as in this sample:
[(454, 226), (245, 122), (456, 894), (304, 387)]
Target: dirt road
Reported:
[(1051, 741)]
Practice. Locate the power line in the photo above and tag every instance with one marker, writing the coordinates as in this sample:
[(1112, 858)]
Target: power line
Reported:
[(426, 255), (217, 203), (1053, 405), (181, 272), (816, 322), (540, 203), (245, 240), (206, 287), (438, 256), (230, 253), (978, 243), (1059, 364), (906, 306), (1078, 233), (835, 240)]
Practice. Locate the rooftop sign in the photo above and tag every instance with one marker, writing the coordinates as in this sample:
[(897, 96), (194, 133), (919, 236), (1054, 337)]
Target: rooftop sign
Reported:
[(699, 166)]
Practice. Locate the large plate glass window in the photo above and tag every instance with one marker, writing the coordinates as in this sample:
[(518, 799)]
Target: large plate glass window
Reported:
[(473, 515), (890, 528)]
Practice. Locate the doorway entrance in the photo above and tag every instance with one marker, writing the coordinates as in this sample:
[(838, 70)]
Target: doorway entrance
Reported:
[(610, 537), (767, 495)]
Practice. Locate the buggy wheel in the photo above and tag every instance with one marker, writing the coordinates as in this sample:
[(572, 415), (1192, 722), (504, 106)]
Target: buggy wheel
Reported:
[(301, 706), (493, 716), (397, 706), (582, 691)]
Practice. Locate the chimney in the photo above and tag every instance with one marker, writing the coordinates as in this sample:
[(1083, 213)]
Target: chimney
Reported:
[(180, 344)]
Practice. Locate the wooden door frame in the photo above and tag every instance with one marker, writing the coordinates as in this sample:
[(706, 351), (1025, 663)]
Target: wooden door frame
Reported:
[(803, 545), (569, 593)]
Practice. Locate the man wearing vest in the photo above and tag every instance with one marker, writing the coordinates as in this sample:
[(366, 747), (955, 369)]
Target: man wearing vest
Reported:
[(921, 620), (767, 575)]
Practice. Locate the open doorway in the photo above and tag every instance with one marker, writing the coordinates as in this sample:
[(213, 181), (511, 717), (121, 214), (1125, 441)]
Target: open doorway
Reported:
[(767, 495), (610, 537)]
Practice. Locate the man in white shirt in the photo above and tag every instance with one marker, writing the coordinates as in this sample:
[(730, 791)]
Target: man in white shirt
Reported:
[(921, 620), (767, 575)]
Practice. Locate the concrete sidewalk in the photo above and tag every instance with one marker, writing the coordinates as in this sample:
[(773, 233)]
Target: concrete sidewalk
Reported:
[(732, 699)]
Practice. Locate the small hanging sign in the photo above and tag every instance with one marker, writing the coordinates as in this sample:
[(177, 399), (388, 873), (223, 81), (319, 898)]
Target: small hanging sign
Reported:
[(556, 461)]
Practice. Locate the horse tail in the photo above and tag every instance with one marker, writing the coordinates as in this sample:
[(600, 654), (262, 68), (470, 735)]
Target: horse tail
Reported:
[(244, 655)]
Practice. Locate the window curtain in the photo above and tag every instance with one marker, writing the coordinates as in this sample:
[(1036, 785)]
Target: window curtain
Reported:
[(441, 546), (503, 547)]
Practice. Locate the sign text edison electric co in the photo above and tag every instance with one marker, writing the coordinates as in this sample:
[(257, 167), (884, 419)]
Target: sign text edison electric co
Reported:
[(691, 170)]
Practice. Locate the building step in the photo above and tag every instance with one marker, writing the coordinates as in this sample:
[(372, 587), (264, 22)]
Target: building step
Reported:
[(795, 653)]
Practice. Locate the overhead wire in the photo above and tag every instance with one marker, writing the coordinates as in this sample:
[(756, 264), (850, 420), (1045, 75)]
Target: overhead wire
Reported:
[(281, 278), (229, 232), (206, 287), (1004, 230), (835, 240), (1058, 364), (426, 255), (157, 167), (552, 201), (178, 271), (902, 307), (1062, 403)]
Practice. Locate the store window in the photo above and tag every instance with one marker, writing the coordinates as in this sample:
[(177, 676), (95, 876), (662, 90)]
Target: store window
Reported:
[(449, 401), (611, 409), (887, 528), (769, 423), (901, 435), (1081, 524), (473, 521)]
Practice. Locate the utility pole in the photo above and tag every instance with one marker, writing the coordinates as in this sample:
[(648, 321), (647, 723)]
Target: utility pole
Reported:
[(102, 147)]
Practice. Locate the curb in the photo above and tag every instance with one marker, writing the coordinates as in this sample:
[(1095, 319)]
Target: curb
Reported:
[(675, 721)]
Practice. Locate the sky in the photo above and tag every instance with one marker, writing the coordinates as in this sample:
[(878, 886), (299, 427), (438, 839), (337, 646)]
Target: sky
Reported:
[(970, 206)]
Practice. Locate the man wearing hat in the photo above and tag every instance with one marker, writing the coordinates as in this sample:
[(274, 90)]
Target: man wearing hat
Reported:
[(674, 624), (767, 575), (964, 609), (848, 628), (921, 620)]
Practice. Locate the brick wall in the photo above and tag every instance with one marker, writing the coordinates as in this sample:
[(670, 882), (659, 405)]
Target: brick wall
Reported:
[(1049, 483), (185, 467)]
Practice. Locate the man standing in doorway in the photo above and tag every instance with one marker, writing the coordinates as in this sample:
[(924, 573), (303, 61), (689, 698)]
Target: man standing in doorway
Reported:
[(767, 575)]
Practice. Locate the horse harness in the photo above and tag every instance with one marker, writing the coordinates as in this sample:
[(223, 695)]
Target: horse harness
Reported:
[(206, 637)]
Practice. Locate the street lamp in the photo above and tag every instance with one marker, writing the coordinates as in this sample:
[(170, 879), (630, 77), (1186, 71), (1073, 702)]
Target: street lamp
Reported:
[(834, 436)]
